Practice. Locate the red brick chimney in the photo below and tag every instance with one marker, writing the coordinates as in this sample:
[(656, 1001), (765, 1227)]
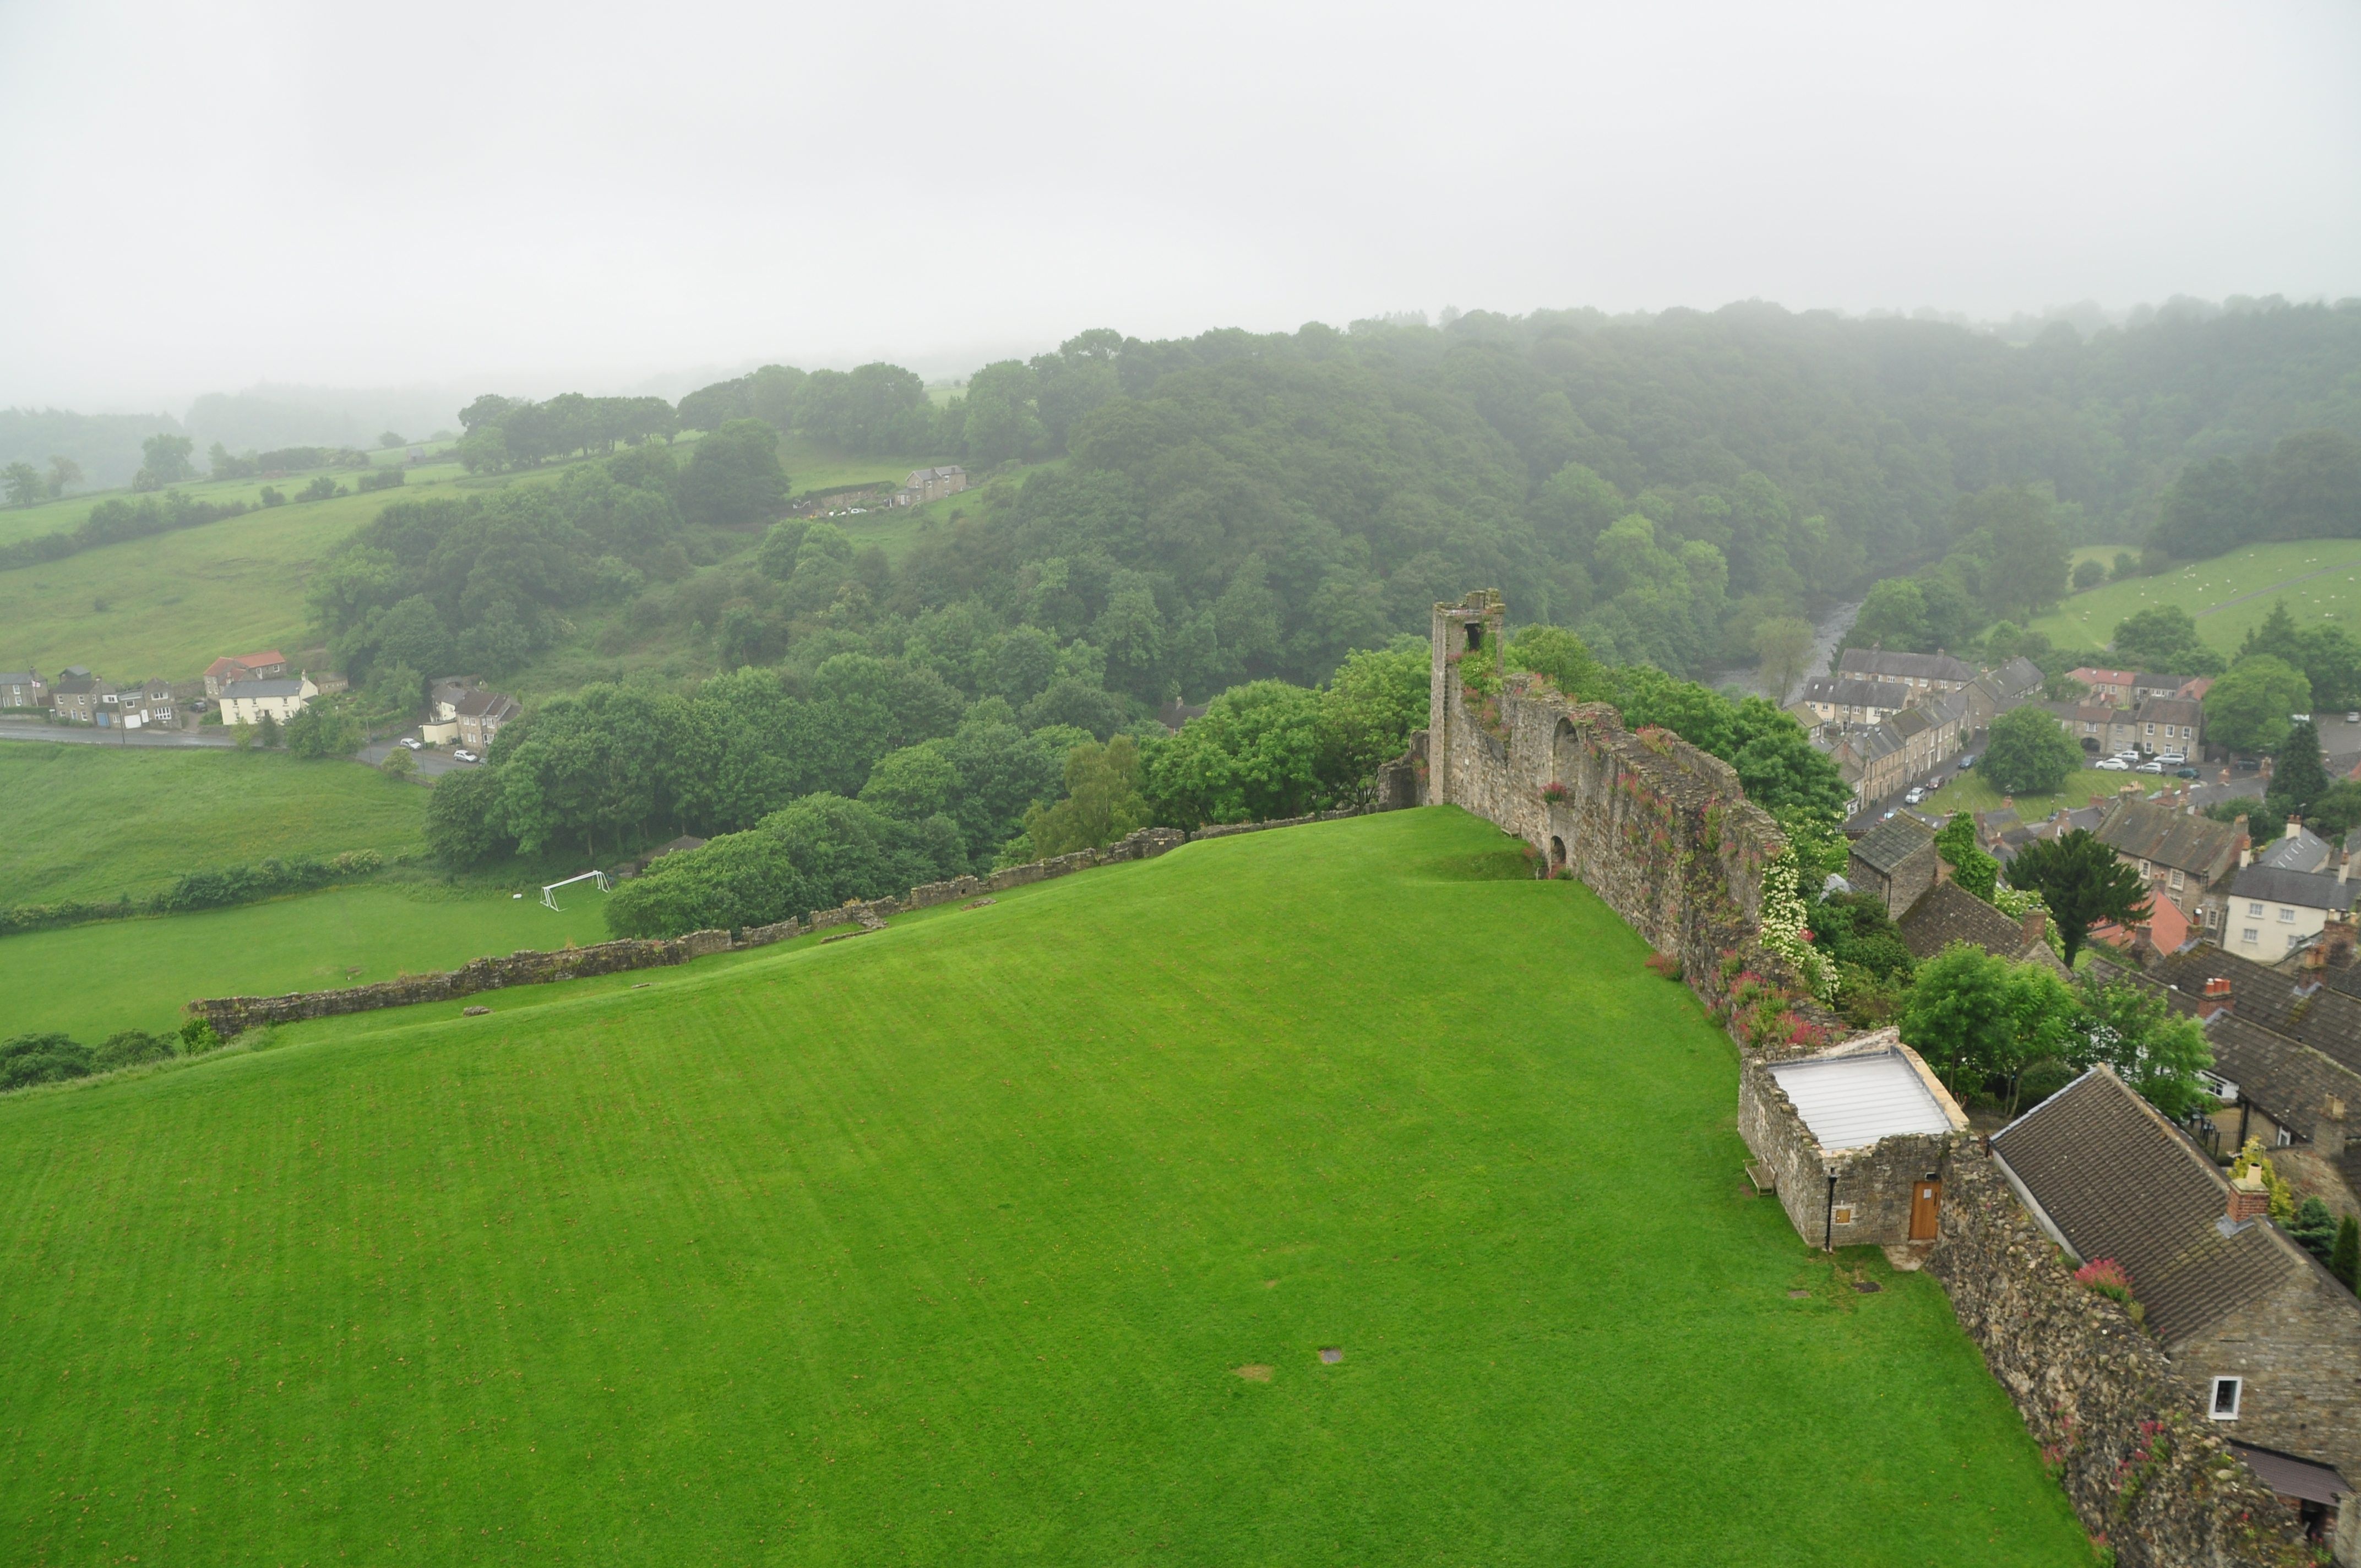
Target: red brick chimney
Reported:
[(2216, 998), (2249, 1199)]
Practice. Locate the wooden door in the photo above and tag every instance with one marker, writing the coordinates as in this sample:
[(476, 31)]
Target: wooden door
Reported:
[(1925, 1207)]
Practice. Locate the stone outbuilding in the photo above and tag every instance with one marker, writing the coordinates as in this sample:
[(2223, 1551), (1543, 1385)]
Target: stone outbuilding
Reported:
[(1853, 1140)]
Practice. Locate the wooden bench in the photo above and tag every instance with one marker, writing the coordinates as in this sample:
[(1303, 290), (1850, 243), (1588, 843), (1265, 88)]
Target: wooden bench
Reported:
[(1763, 1180)]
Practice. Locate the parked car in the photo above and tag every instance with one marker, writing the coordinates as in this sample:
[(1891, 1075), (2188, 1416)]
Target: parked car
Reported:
[(2171, 758), (412, 741), (2184, 773), (2112, 765), (1914, 797), (2154, 767), (2298, 718), (465, 755), (2127, 756), (2352, 719), (1967, 761)]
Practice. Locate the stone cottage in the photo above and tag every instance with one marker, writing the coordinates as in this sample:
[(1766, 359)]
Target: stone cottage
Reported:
[(2270, 1340), (1896, 861)]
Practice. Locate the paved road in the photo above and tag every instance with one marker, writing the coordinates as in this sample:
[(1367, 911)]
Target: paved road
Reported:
[(430, 763)]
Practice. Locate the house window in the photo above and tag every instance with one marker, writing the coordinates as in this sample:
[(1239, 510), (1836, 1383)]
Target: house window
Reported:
[(2176, 881), (2144, 871), (2226, 1392), (2286, 915), (2254, 912), (2250, 934), (2148, 729)]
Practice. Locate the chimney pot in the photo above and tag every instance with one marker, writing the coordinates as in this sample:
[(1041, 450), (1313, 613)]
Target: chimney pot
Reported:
[(2249, 1199)]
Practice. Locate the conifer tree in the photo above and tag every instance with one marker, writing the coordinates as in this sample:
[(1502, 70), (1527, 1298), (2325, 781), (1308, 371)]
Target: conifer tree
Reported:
[(2345, 1260)]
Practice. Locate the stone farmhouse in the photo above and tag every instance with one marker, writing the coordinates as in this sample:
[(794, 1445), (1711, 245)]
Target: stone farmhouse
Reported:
[(2270, 1340), (924, 485), (1896, 861), (1995, 692), (479, 716), (1851, 699), (246, 701)]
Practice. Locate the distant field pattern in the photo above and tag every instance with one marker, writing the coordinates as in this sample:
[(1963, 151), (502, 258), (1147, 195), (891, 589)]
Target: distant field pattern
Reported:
[(2320, 579)]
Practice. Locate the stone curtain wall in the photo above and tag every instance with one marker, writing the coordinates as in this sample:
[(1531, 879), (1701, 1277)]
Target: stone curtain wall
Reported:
[(1659, 829), (2146, 1471), (232, 1014)]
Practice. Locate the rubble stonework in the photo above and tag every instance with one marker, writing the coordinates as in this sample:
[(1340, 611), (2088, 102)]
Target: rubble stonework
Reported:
[(233, 1015), (1662, 832), (2130, 1442), (1656, 828)]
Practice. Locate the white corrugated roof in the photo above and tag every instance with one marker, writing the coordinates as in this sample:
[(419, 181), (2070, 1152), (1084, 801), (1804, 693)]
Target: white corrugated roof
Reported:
[(1850, 1103)]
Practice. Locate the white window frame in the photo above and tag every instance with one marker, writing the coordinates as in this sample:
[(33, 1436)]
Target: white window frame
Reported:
[(2145, 870), (2250, 935), (2287, 915), (2254, 911), (2237, 1389), (2175, 880)]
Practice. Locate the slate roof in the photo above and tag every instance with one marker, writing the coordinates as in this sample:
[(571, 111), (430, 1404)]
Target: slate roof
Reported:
[(1853, 691), (2301, 850), (1903, 666), (2172, 710), (2323, 1016), (2015, 678), (2286, 1077), (2306, 889), (2168, 837), (1910, 721), (492, 704), (1947, 913), (1890, 843), (2122, 1182), (252, 689), (1991, 825), (19, 678)]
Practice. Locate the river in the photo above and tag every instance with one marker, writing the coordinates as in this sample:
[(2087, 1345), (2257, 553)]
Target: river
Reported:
[(1832, 625)]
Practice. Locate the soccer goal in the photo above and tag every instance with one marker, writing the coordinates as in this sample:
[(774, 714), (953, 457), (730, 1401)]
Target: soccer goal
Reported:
[(549, 894)]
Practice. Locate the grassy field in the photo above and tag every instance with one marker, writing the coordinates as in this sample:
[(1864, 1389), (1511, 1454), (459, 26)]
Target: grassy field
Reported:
[(66, 514), (1974, 791), (348, 936), (86, 822), (1007, 1236), (2320, 578)]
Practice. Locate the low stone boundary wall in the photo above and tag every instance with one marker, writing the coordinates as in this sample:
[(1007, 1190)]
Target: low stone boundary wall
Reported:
[(2147, 1473), (232, 1014)]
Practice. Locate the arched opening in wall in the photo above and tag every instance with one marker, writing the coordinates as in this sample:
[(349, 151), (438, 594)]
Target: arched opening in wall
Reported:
[(2090, 745), (1557, 854), (1475, 636), (1565, 754)]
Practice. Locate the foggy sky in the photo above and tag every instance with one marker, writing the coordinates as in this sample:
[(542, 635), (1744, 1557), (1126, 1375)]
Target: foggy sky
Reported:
[(535, 196)]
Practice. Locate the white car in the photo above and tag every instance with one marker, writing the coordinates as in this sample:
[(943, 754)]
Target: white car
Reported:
[(412, 742), (2154, 767), (2127, 757), (1914, 797), (2298, 718), (2112, 765), (465, 755), (2352, 719), (2172, 759)]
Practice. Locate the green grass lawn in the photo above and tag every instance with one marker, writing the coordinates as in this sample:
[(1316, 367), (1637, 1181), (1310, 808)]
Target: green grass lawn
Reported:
[(947, 1245), (88, 822), (2207, 590), (1974, 791), (346, 935)]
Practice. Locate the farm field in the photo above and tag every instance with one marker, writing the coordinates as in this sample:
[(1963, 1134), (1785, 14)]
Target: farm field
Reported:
[(66, 514), (90, 980), (93, 824), (2212, 591), (1008, 1235)]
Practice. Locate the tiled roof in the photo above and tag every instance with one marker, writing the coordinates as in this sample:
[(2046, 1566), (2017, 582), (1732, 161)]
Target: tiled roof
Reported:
[(2120, 1182), (1991, 825), (1910, 721), (2168, 837), (1890, 843), (492, 705), (1947, 913), (2323, 1016), (2017, 677), (2286, 1077), (2172, 710), (18, 678), (1903, 666), (2305, 890)]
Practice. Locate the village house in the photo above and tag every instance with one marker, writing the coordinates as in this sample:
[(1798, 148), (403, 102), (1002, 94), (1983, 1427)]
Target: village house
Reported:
[(2183, 858), (2271, 913), (1922, 673), (2314, 1008), (1947, 913), (2270, 1341), (479, 715), (79, 697), (1996, 692), (1896, 860), (926, 485), (244, 702), (148, 705), (2113, 687), (2100, 729), (2170, 724), (1852, 699), (22, 689), (270, 664), (1870, 758), (2297, 850)]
